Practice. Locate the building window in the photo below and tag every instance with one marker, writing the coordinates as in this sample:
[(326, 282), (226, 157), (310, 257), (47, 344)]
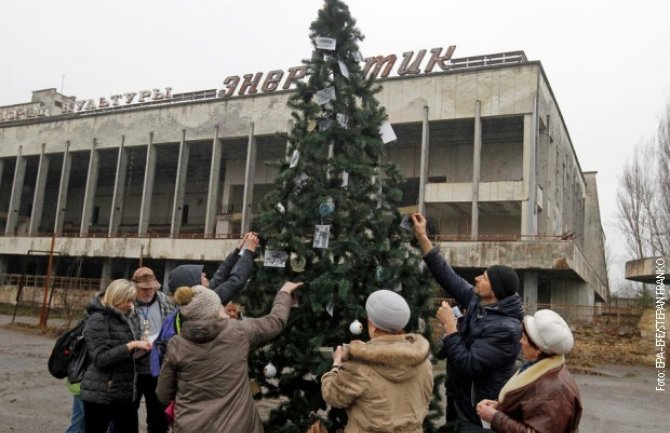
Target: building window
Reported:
[(184, 215)]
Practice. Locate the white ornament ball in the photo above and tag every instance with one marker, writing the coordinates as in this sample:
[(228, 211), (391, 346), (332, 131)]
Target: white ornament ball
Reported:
[(270, 370), (356, 327)]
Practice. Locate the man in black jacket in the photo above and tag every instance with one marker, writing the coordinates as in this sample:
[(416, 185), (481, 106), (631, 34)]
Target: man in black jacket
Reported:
[(482, 348)]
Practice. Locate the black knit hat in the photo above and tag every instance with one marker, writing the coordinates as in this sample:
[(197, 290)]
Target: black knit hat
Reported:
[(184, 275), (504, 281)]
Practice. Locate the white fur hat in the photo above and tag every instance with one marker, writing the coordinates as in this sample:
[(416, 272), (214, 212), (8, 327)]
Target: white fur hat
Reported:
[(549, 332), (387, 310)]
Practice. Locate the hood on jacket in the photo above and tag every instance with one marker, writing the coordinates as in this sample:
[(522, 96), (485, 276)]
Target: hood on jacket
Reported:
[(202, 331), (184, 275), (393, 356), (510, 306)]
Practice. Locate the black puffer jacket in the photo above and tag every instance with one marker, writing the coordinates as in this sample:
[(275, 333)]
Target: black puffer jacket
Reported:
[(481, 355), (111, 374)]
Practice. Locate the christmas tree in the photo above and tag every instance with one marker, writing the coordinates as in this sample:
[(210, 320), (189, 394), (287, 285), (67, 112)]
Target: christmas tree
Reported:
[(332, 222)]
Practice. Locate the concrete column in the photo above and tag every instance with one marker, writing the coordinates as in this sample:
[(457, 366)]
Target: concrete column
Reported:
[(179, 186), (249, 176), (38, 197), (423, 165), (62, 190), (213, 189), (528, 205), (530, 291), (17, 191), (476, 170), (2, 167), (106, 274), (148, 187), (169, 267), (89, 191), (573, 299), (3, 268), (119, 192)]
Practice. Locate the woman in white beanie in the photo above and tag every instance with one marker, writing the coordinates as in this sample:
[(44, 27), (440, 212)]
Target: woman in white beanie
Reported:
[(206, 366), (542, 396), (386, 384)]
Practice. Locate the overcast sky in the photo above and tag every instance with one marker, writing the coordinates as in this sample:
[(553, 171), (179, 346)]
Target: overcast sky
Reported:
[(607, 62)]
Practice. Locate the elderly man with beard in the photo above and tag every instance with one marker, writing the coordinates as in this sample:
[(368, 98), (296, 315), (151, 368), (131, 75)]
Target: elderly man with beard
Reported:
[(151, 308), (482, 347)]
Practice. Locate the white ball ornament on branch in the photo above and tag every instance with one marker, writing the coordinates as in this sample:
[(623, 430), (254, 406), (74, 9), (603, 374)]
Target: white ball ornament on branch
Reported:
[(270, 370), (356, 327)]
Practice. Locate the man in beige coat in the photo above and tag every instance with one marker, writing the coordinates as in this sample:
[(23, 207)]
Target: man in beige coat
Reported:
[(385, 384), (206, 370)]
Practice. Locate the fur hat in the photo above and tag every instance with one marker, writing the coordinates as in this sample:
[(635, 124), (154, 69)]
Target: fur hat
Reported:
[(197, 303), (504, 281), (145, 278), (185, 275), (387, 310), (549, 332)]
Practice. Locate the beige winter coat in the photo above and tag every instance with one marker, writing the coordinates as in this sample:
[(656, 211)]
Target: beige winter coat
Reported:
[(205, 371), (385, 385)]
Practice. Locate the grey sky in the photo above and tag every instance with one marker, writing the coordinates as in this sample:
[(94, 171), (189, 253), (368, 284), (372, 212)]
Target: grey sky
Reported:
[(607, 62)]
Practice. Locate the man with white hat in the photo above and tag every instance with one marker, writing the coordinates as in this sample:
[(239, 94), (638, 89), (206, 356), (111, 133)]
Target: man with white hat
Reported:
[(542, 396), (385, 384)]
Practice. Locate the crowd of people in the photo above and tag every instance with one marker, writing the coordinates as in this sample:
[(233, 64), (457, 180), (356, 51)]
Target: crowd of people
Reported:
[(185, 352)]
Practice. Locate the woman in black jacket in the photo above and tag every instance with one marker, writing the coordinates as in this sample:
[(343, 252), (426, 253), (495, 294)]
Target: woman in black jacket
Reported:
[(108, 384)]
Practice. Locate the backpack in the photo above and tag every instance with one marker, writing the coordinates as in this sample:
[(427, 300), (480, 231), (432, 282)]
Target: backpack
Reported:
[(171, 327), (69, 356)]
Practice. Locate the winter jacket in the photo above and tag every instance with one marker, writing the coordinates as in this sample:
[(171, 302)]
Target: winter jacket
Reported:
[(482, 354), (543, 398), (227, 282), (385, 385), (166, 308), (110, 376), (206, 371)]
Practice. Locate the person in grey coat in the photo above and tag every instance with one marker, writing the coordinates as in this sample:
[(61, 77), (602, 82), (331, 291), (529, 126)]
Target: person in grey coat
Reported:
[(107, 388), (206, 370)]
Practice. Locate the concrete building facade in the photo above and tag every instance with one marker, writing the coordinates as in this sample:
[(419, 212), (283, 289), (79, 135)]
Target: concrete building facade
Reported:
[(175, 178)]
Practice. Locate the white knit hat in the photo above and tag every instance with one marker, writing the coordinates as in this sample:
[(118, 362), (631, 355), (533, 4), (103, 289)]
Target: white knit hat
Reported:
[(197, 302), (387, 310), (549, 332)]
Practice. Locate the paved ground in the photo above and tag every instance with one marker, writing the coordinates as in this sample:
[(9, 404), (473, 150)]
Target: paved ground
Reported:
[(622, 401)]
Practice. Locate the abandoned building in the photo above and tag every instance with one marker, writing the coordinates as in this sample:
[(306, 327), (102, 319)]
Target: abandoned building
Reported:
[(166, 178)]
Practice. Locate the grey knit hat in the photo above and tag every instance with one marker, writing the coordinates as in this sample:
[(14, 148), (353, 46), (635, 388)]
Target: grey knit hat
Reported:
[(387, 310), (549, 332), (197, 303)]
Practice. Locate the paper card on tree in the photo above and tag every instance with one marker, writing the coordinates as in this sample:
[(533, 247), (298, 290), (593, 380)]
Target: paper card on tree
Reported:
[(345, 179), (275, 259), (300, 182), (386, 132), (326, 95), (343, 69), (330, 308), (295, 158), (321, 236), (358, 56), (380, 196), (311, 125), (325, 124), (325, 43), (343, 120)]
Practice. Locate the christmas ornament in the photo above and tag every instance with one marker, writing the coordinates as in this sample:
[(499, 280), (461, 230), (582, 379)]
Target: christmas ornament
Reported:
[(280, 208), (327, 208), (330, 308), (325, 124), (300, 182), (294, 158), (311, 125), (270, 370), (321, 236), (343, 120), (275, 259), (297, 263), (356, 327)]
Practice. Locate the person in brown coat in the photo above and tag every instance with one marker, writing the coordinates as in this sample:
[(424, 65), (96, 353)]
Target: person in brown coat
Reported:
[(542, 396), (385, 385), (205, 369)]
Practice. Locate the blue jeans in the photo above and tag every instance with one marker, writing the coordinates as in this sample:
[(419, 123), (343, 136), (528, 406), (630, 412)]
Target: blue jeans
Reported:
[(77, 421)]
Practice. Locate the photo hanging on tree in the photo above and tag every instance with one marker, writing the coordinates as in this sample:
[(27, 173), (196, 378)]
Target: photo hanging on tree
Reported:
[(275, 259), (321, 236)]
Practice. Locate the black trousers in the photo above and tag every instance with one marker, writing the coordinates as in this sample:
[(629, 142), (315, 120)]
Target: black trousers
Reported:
[(122, 414), (156, 418)]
